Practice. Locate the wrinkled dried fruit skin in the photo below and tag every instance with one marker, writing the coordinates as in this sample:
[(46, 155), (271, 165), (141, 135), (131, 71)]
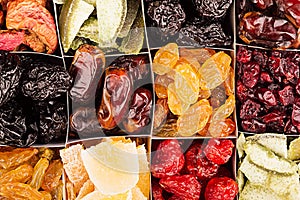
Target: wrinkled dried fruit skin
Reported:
[(45, 81), (263, 4), (19, 191), (185, 186), (198, 165), (254, 126), (160, 113), (262, 30), (266, 96), (157, 191), (86, 69), (21, 174), (222, 128), (221, 188), (250, 109), (52, 176), (290, 9), (16, 157), (139, 111), (10, 73), (39, 173), (219, 151), (118, 88), (161, 84), (251, 73), (168, 159), (286, 95), (84, 121), (296, 116), (212, 8)]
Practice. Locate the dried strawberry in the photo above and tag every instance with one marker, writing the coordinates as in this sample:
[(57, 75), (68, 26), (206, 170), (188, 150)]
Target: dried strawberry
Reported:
[(168, 159), (198, 165), (223, 172), (185, 186), (218, 151), (174, 197), (157, 191), (222, 188)]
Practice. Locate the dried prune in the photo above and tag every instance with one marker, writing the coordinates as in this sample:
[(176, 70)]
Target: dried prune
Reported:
[(270, 31), (45, 81), (52, 120), (87, 67), (10, 74), (167, 15), (212, 8), (139, 111)]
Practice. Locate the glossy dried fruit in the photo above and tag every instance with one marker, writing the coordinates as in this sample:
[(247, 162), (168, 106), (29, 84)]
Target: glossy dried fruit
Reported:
[(86, 70), (10, 159), (139, 111), (262, 4), (224, 110), (211, 8), (39, 173), (266, 96), (157, 191), (230, 82), (286, 95), (19, 175), (290, 9), (168, 159), (185, 186), (296, 116), (19, 191), (218, 96), (219, 151), (160, 113), (251, 74), (161, 85), (250, 109), (194, 118), (52, 176), (176, 105), (222, 128), (221, 188), (253, 125)]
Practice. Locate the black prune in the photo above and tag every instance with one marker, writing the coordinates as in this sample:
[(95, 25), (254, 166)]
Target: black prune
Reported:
[(212, 8), (10, 73), (45, 81)]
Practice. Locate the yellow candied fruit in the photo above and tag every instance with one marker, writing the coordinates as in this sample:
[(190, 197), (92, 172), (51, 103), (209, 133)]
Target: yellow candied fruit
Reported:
[(176, 106)]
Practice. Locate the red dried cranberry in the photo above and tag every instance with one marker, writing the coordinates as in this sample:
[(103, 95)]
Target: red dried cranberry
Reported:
[(274, 62), (296, 115), (222, 188), (243, 55), (218, 151), (168, 159), (266, 96), (251, 74), (290, 128), (298, 87), (265, 77), (175, 197), (157, 191), (198, 165), (243, 93), (252, 125), (286, 95), (289, 69), (185, 186), (274, 116), (260, 57), (249, 109)]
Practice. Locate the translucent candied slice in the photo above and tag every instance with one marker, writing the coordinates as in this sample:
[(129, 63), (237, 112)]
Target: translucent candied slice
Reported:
[(176, 106), (195, 118), (165, 58), (87, 188), (216, 69), (161, 84), (201, 54), (224, 110), (229, 83), (186, 82)]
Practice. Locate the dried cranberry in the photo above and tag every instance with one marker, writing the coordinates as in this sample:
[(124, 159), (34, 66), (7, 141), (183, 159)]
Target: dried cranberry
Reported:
[(244, 55), (250, 109), (185, 186), (198, 165), (286, 95), (175, 197), (296, 116), (298, 87), (219, 151), (289, 128), (266, 96), (289, 69), (252, 125), (274, 116), (251, 74), (243, 93), (274, 62), (260, 57), (265, 77), (222, 188), (157, 191), (168, 159)]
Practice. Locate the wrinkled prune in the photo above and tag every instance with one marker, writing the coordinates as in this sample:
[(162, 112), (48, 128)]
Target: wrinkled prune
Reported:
[(212, 8), (87, 67), (251, 74), (45, 81), (52, 120), (10, 74), (15, 129), (167, 15)]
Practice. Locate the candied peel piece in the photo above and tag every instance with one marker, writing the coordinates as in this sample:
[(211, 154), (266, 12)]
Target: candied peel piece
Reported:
[(216, 69), (165, 58), (10, 159), (176, 105), (195, 118), (87, 188), (186, 82), (73, 166)]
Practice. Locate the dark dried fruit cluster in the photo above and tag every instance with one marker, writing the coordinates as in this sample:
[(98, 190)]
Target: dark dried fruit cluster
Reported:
[(32, 104), (112, 99), (197, 25), (270, 23), (268, 90), (195, 174)]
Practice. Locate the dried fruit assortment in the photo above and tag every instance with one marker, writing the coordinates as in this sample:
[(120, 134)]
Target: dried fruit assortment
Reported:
[(195, 88), (192, 23), (271, 23), (267, 83), (268, 170), (30, 173), (187, 169), (32, 100), (111, 168), (29, 25)]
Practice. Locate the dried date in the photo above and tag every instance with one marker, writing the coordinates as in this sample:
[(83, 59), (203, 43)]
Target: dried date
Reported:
[(291, 10)]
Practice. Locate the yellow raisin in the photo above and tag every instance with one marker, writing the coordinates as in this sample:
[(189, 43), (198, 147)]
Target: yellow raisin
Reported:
[(16, 157), (224, 110), (52, 175), (39, 173), (20, 191), (176, 106), (161, 84), (21, 174), (229, 83)]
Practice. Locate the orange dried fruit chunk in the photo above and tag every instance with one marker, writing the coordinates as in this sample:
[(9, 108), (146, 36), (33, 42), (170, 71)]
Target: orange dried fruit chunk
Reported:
[(87, 188), (19, 191), (161, 112), (21, 174), (224, 110), (176, 106), (52, 175), (195, 118), (204, 131), (39, 173), (165, 58), (222, 128), (216, 69), (16, 157), (161, 84), (229, 83), (186, 82)]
